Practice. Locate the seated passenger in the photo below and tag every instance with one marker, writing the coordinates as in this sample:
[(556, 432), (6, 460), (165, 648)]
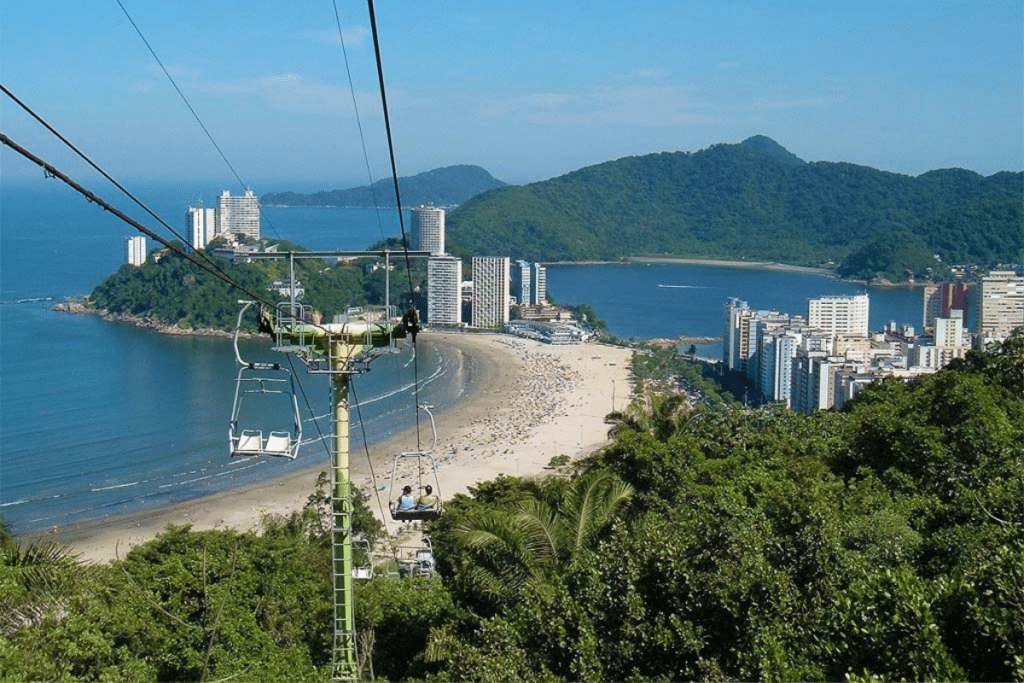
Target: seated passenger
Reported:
[(406, 501), (428, 501)]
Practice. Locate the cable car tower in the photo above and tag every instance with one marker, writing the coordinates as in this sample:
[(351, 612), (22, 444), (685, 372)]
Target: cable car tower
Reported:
[(340, 349)]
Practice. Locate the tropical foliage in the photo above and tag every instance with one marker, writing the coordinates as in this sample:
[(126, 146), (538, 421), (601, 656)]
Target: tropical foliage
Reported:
[(881, 543), (175, 291)]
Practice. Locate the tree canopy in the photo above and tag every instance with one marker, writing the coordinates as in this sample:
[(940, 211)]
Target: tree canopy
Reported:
[(753, 200), (882, 542)]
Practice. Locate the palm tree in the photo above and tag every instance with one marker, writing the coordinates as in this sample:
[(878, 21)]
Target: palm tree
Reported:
[(660, 414), (537, 542), (37, 580)]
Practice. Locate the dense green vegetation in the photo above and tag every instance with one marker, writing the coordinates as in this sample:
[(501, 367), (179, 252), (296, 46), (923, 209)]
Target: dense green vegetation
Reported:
[(174, 291), (753, 200), (883, 542), (440, 187)]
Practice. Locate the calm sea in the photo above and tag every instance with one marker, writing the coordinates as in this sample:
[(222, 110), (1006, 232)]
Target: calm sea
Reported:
[(100, 418)]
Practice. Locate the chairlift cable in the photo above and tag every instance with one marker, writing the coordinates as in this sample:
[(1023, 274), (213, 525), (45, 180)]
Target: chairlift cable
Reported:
[(359, 124), (100, 170), (366, 449), (93, 197), (398, 196), (194, 114)]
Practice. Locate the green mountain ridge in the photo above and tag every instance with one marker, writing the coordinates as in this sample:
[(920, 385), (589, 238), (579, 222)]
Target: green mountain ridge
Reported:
[(442, 187), (752, 200)]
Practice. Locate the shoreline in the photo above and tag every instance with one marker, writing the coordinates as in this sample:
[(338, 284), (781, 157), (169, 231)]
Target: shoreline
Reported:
[(524, 402)]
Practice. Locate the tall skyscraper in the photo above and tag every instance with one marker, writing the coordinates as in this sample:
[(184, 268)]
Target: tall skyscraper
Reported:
[(136, 250), (839, 314), (238, 215), (490, 291), (539, 291), (998, 304), (521, 282), (428, 229), (444, 290), (201, 226)]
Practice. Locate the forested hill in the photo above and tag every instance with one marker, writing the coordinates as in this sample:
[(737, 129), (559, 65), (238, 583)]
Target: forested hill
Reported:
[(441, 187), (752, 200)]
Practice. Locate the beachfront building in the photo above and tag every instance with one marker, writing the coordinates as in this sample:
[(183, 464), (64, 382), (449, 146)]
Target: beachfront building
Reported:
[(136, 250), (539, 292), (238, 216), (428, 229), (839, 314), (941, 299), (200, 226), (998, 304), (521, 272), (444, 290), (490, 291), (529, 283)]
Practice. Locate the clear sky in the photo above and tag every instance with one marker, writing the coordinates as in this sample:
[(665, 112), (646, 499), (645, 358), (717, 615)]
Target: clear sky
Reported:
[(527, 89)]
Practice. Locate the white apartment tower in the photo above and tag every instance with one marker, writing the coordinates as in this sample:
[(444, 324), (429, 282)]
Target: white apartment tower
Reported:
[(238, 215), (999, 304), (428, 229), (490, 291), (839, 314), (539, 292), (444, 290), (201, 226), (136, 250)]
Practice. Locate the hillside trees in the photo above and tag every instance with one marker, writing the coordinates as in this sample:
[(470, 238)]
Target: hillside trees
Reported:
[(752, 200)]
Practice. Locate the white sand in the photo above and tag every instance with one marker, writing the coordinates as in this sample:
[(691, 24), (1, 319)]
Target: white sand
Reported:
[(527, 402)]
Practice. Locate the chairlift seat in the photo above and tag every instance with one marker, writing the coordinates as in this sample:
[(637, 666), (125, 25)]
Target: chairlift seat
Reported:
[(279, 443), (250, 442), (416, 514)]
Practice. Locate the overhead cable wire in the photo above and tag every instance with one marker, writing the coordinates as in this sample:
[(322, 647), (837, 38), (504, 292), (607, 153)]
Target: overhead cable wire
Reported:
[(359, 123), (191, 109), (208, 266), (54, 172), (398, 200), (31, 112)]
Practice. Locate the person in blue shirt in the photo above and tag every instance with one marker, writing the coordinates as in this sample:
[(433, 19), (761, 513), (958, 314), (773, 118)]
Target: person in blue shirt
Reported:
[(406, 501)]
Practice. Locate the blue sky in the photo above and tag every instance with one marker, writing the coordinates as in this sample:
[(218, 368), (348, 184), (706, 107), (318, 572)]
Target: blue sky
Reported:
[(529, 90)]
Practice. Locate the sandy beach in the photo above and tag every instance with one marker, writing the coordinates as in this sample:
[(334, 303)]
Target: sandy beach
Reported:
[(526, 402)]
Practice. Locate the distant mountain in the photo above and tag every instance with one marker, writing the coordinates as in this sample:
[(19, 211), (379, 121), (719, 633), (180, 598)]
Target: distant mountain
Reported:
[(753, 200), (440, 187)]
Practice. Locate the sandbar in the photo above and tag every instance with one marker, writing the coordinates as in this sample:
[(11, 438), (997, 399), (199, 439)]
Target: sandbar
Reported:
[(525, 402)]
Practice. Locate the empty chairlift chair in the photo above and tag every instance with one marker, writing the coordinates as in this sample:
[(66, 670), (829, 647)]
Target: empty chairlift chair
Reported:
[(265, 416)]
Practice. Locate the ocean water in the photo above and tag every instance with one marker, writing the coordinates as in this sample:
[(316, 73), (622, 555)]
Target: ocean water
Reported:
[(100, 418)]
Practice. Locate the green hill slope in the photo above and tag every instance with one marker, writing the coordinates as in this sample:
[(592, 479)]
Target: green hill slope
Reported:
[(441, 187), (751, 200)]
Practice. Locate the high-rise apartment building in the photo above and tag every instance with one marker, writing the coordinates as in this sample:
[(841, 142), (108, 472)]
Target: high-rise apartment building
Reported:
[(839, 314), (521, 290), (136, 250), (444, 290), (428, 229), (998, 305), (490, 291), (200, 226), (238, 216), (539, 291), (939, 300)]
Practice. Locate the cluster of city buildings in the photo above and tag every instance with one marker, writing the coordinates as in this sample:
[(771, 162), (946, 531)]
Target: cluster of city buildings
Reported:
[(235, 220), (823, 360), (497, 286)]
